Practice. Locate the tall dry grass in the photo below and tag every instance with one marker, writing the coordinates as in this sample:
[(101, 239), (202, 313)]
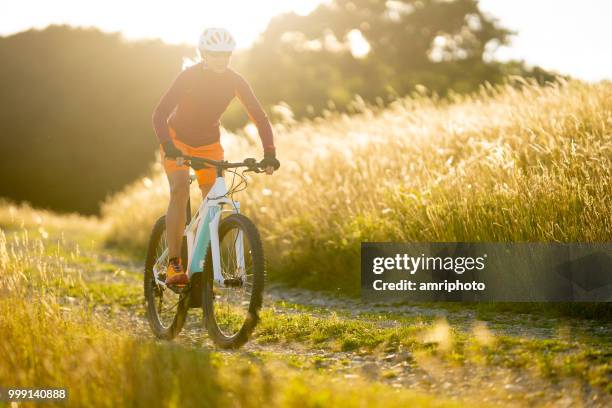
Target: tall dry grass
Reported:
[(53, 340), (517, 162)]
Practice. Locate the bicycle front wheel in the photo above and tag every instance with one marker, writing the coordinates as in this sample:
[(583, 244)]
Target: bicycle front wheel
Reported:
[(231, 307)]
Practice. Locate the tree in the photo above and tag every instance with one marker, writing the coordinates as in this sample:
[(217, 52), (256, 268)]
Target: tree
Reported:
[(311, 59), (75, 113)]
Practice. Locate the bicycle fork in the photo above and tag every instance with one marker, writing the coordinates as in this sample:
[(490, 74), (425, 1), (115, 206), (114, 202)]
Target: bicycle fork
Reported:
[(207, 231), (216, 253)]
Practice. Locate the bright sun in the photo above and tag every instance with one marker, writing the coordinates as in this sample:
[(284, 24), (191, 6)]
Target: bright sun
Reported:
[(180, 21)]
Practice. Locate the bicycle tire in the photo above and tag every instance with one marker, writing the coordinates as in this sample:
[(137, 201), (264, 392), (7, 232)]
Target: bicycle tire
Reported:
[(170, 331), (251, 234)]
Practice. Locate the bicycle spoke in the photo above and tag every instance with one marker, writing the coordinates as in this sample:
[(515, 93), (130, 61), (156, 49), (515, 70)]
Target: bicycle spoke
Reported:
[(233, 302), (168, 308), (166, 299)]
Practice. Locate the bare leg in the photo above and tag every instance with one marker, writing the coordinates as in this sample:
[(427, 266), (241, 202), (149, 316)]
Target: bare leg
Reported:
[(175, 216)]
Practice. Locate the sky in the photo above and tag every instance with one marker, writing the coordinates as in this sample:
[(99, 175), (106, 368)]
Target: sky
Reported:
[(568, 36), (177, 21)]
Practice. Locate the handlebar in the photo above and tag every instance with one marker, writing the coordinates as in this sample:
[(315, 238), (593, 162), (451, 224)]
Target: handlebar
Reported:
[(199, 162)]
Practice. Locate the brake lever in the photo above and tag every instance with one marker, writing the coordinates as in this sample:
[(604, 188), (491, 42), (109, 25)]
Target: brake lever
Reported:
[(252, 165), (254, 170)]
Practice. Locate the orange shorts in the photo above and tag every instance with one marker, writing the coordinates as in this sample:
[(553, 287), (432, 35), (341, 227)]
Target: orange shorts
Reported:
[(214, 151)]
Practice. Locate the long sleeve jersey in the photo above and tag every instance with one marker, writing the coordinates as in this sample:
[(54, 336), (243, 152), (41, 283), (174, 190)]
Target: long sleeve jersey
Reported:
[(195, 101)]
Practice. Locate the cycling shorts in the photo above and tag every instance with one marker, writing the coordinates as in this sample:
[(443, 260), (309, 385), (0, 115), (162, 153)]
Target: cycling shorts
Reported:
[(206, 177)]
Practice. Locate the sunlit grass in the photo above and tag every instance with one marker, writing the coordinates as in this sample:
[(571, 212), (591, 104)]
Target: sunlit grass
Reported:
[(56, 334), (515, 163), (44, 224), (478, 346), (230, 318), (509, 164), (53, 337)]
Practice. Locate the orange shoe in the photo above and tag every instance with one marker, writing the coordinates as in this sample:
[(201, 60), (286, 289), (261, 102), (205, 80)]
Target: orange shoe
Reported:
[(175, 274)]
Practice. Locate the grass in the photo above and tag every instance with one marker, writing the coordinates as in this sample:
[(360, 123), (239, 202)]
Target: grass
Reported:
[(57, 332), (509, 163), (553, 358), (43, 347), (52, 336)]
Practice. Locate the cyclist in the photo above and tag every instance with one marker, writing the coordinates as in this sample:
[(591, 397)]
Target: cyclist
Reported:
[(186, 122)]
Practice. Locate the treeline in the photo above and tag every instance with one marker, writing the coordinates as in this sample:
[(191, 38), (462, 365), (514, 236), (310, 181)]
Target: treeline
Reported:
[(442, 45), (76, 103), (75, 112)]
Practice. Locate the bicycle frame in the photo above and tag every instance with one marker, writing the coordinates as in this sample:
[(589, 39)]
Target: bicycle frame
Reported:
[(204, 229)]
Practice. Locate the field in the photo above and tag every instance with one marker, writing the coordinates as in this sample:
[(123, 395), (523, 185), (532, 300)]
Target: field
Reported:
[(510, 163), (514, 163)]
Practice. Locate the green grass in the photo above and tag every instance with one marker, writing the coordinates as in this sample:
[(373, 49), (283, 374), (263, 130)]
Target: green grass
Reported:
[(506, 164), (55, 334), (52, 337), (503, 165), (46, 346), (554, 358)]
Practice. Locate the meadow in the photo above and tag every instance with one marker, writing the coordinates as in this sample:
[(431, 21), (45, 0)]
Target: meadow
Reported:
[(72, 316), (511, 163)]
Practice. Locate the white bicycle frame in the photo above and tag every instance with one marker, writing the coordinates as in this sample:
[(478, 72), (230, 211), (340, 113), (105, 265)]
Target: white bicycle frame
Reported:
[(200, 228)]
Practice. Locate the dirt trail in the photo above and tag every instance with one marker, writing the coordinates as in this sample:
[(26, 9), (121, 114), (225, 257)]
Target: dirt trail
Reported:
[(400, 368)]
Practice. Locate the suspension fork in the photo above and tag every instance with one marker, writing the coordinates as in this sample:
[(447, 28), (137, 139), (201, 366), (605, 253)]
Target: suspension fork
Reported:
[(216, 249)]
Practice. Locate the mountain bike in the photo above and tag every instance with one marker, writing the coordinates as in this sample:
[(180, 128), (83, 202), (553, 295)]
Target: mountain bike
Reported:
[(225, 263)]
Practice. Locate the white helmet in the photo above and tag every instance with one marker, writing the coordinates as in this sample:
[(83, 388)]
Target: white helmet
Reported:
[(216, 39)]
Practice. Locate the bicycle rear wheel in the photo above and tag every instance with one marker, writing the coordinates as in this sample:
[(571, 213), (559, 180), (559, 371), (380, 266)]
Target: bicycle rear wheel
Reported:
[(231, 310), (166, 310)]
